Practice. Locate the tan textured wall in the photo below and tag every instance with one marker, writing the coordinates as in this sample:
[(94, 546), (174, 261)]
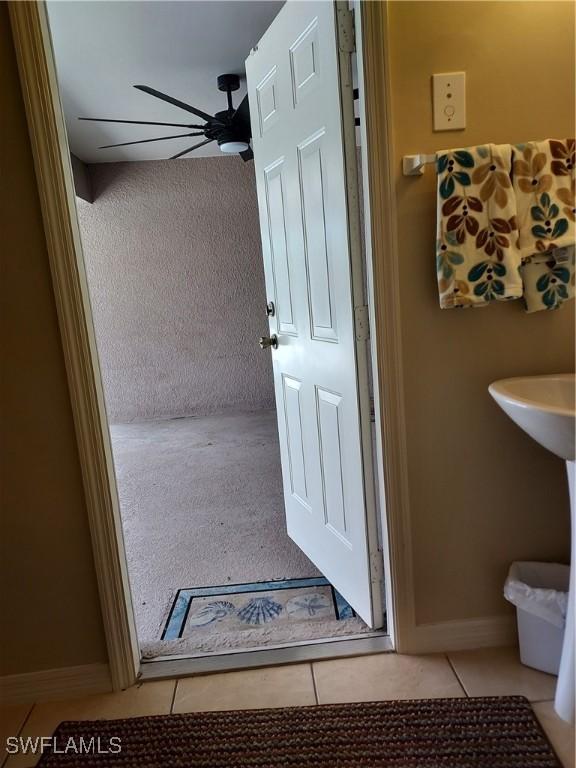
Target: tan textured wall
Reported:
[(482, 494), (174, 264), (48, 601)]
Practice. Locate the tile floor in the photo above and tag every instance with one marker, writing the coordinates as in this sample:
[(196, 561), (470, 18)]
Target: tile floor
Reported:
[(383, 676)]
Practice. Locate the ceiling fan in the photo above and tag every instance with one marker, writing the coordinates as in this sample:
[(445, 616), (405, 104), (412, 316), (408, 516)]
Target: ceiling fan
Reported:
[(230, 128)]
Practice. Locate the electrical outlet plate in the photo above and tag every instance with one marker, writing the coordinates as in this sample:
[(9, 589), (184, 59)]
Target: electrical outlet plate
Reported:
[(449, 99)]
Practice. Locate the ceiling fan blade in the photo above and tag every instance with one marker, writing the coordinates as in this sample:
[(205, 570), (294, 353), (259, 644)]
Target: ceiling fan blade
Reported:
[(139, 122), (185, 152), (175, 102), (241, 118), (247, 154), (145, 141)]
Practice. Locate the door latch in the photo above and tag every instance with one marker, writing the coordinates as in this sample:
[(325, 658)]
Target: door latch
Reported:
[(269, 341)]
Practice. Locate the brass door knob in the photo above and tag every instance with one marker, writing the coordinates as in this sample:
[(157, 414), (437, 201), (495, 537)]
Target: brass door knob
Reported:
[(269, 341)]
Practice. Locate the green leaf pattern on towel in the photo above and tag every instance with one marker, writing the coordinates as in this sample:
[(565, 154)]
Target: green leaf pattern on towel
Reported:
[(550, 226), (478, 216), (474, 186), (553, 285), (545, 173)]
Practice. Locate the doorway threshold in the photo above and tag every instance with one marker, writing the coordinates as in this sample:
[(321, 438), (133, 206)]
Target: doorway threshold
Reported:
[(167, 667)]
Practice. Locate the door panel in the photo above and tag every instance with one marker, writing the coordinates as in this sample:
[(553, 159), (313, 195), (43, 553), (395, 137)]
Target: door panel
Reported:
[(297, 462), (330, 435), (299, 156), (267, 101), (275, 195), (304, 63), (320, 288)]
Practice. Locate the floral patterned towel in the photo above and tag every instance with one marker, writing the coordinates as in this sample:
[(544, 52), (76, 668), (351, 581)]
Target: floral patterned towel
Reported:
[(477, 256), (544, 184), (549, 280)]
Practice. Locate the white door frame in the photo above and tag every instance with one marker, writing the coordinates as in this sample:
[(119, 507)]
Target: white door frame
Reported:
[(378, 473), (378, 178), (56, 188)]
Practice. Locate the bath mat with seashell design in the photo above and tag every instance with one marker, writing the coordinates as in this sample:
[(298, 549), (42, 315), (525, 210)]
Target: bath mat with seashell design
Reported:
[(256, 614)]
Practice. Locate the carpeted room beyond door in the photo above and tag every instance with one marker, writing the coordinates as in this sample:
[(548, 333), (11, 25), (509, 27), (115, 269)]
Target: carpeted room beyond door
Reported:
[(202, 506), (178, 297)]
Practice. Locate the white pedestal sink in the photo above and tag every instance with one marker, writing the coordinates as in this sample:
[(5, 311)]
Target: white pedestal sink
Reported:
[(544, 407)]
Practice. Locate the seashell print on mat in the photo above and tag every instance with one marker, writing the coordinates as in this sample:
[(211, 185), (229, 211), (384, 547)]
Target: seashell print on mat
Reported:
[(259, 610), (309, 606), (210, 613), (254, 615)]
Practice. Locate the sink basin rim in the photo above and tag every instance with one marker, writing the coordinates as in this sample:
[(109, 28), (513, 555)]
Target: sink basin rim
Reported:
[(500, 389)]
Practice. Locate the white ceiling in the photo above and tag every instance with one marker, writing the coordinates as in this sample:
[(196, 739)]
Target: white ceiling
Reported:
[(179, 47)]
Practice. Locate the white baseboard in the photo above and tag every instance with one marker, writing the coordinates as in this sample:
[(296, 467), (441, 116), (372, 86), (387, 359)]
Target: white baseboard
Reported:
[(50, 684), (467, 634)]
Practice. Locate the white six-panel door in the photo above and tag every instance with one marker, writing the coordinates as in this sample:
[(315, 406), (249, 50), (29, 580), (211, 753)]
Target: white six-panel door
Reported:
[(295, 107)]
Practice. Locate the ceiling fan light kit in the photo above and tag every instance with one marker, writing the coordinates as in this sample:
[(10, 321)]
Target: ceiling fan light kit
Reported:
[(230, 128), (233, 147)]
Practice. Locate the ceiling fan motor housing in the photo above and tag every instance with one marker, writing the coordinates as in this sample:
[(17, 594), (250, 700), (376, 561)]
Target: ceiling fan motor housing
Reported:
[(225, 133), (228, 82)]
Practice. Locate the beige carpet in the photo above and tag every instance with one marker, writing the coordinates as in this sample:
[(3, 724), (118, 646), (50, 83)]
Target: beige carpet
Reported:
[(201, 505)]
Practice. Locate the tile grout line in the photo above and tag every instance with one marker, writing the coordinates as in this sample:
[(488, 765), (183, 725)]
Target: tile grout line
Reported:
[(5, 756), (457, 676), (314, 683), (32, 706)]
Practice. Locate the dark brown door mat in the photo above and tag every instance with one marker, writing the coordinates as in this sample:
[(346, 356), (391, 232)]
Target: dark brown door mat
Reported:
[(495, 732)]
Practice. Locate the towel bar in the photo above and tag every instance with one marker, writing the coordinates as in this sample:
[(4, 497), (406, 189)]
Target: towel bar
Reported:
[(413, 165)]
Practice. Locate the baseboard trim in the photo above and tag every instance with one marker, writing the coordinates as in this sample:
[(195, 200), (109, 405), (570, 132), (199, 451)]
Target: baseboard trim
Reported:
[(50, 684), (490, 631)]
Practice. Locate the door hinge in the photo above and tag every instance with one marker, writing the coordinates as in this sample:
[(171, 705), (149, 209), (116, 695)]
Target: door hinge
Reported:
[(346, 32), (361, 323)]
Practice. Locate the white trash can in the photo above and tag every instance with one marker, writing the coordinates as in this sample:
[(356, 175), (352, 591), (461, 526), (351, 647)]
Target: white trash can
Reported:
[(540, 593)]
